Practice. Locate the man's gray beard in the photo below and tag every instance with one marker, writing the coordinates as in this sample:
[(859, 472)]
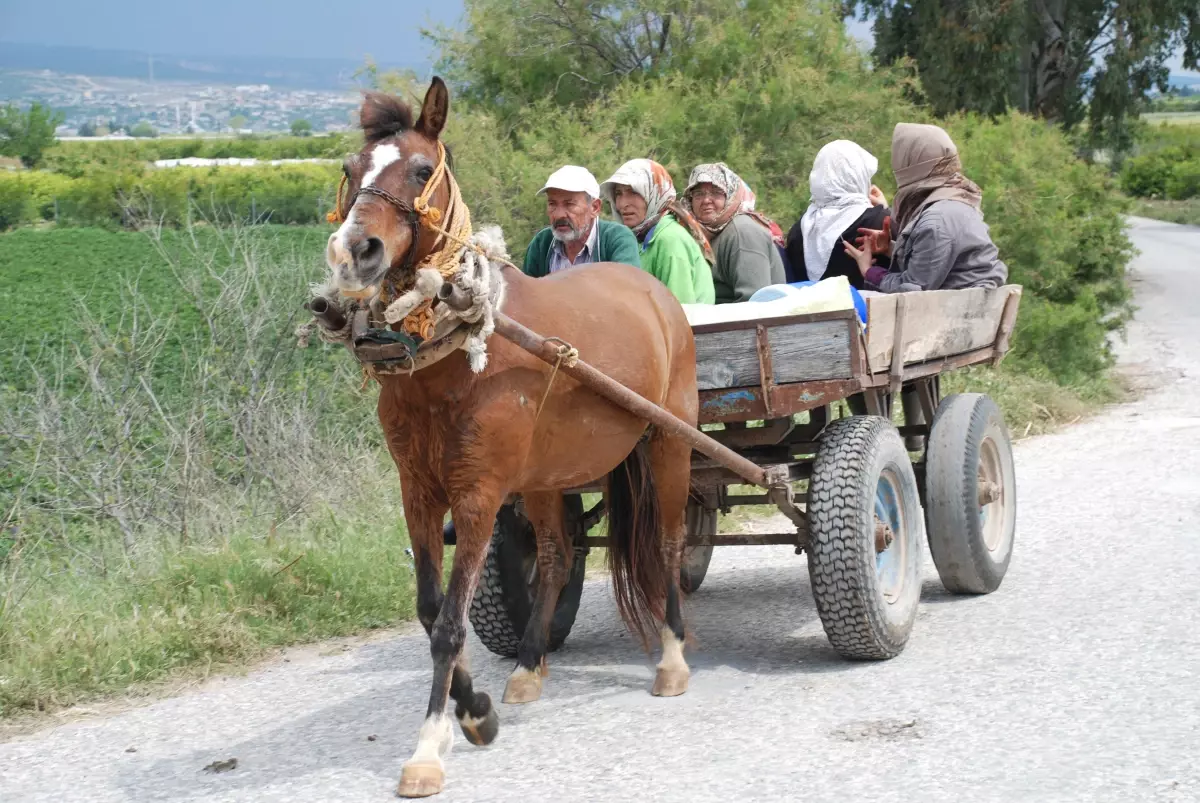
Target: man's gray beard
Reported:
[(567, 237)]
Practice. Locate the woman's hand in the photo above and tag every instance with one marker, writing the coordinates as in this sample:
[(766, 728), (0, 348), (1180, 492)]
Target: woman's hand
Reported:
[(864, 258), (876, 196), (879, 240)]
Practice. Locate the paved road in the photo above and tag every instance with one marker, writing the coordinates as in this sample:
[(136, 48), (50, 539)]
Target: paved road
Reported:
[(1078, 680)]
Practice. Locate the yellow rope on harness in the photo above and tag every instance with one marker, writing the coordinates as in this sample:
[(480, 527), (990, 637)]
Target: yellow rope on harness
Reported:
[(445, 260)]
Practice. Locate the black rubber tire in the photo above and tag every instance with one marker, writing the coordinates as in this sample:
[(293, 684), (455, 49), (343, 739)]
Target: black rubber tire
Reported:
[(853, 454), (694, 564), (957, 535), (503, 598)]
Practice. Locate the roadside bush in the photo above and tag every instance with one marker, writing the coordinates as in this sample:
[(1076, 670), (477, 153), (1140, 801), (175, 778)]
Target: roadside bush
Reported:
[(1161, 173), (77, 157), (1059, 227), (300, 193), (14, 199), (1184, 181)]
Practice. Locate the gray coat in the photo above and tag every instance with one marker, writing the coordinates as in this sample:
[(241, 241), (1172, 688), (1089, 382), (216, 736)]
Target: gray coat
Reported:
[(946, 248)]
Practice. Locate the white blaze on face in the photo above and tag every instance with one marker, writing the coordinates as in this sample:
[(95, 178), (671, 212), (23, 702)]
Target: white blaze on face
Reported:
[(338, 253)]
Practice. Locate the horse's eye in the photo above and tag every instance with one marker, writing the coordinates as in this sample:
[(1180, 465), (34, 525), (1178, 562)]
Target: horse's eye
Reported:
[(425, 173)]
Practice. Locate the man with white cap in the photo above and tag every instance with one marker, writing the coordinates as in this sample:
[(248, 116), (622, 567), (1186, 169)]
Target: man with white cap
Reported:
[(576, 234)]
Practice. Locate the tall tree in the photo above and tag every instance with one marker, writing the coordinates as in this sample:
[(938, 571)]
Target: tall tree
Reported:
[(27, 134), (1064, 61), (570, 51)]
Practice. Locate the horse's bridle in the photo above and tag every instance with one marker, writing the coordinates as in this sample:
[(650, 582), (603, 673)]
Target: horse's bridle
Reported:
[(414, 219)]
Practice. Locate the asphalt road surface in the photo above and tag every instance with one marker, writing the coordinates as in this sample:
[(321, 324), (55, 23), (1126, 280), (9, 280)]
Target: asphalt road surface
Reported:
[(1078, 680)]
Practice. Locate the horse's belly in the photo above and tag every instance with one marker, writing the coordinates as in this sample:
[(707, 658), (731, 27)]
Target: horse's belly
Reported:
[(577, 449)]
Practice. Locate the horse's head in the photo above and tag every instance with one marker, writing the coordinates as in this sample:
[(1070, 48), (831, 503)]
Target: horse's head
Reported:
[(380, 230)]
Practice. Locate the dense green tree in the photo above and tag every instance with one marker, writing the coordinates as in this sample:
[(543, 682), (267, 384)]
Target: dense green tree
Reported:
[(26, 134), (301, 128), (143, 129), (1093, 60)]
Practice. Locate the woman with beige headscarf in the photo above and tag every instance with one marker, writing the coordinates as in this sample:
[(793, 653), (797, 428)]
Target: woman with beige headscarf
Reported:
[(942, 241)]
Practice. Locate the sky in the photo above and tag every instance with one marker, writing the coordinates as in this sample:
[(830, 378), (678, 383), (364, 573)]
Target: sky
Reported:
[(387, 30)]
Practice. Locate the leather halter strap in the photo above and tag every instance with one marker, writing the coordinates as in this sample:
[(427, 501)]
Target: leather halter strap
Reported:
[(414, 220)]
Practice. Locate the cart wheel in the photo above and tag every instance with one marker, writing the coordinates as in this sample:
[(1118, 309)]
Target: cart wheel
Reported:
[(971, 494), (504, 597), (695, 561), (865, 534)]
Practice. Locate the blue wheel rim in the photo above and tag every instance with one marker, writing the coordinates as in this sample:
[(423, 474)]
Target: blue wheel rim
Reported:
[(891, 563)]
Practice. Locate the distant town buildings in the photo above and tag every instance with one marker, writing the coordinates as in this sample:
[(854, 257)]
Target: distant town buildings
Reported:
[(176, 108)]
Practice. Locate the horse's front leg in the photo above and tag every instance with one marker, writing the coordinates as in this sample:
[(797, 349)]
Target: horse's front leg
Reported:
[(473, 710), (424, 774), (546, 515)]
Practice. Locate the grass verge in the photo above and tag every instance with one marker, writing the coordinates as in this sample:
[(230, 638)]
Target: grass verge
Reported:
[(71, 633), (1186, 212)]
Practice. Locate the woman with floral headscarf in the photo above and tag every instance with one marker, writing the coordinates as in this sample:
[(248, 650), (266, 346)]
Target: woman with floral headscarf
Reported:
[(943, 243), (674, 248), (748, 245)]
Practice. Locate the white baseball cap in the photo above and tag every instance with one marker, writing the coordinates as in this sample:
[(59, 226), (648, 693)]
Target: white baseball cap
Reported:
[(572, 178)]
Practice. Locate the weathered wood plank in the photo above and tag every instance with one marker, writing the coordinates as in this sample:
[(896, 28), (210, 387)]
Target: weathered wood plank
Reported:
[(806, 351), (938, 323), (803, 352)]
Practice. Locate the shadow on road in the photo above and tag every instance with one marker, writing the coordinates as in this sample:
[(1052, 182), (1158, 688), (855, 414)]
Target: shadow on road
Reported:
[(728, 618)]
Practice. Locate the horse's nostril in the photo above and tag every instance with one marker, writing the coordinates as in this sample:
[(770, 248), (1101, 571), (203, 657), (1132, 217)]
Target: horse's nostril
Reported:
[(374, 249), (368, 253)]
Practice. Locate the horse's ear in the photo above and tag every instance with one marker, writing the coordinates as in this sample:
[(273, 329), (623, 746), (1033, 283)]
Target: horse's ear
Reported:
[(434, 109)]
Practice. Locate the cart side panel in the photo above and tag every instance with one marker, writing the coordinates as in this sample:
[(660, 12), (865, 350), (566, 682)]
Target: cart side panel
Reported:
[(801, 351), (938, 323)]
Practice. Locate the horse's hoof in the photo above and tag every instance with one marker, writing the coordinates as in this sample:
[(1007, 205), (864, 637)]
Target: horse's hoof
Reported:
[(421, 779), (481, 731), (670, 683), (524, 686)]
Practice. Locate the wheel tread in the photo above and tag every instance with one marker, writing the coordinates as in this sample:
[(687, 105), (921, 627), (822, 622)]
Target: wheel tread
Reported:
[(848, 447)]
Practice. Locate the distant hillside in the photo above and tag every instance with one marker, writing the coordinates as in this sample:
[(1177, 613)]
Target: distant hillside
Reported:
[(299, 72)]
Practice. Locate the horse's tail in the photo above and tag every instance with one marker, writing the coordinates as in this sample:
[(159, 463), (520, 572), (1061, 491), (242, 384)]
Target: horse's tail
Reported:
[(635, 555)]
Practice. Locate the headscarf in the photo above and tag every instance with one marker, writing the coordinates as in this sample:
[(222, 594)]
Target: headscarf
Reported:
[(651, 180), (839, 182), (927, 170), (739, 199)]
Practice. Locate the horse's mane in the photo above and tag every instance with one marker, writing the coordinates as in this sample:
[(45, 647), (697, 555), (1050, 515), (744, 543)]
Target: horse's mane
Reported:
[(383, 116)]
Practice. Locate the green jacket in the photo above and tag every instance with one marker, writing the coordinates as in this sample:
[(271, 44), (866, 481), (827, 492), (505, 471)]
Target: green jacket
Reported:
[(615, 243), (673, 257)]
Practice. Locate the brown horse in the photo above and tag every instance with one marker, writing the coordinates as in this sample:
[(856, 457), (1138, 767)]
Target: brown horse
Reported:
[(463, 440)]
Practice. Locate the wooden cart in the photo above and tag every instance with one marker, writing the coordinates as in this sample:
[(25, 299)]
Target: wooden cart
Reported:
[(863, 496)]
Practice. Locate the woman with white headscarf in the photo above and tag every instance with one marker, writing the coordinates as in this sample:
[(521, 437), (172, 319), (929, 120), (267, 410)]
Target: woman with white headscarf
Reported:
[(673, 247), (942, 242), (843, 201)]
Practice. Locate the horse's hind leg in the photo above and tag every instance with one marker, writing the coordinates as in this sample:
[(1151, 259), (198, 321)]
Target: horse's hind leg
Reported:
[(545, 512), (445, 618), (670, 459)]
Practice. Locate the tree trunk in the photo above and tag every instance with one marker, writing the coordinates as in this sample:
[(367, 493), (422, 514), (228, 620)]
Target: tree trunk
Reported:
[(1049, 72)]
